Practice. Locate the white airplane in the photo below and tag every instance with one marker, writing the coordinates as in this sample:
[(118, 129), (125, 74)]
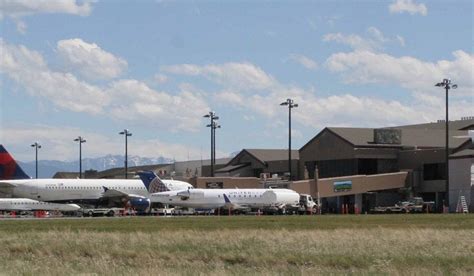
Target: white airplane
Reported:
[(14, 181), (26, 204), (218, 198)]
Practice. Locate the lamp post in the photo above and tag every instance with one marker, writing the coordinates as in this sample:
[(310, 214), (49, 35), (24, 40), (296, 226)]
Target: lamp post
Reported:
[(291, 104), (80, 140), (126, 133), (36, 146), (446, 84), (213, 125)]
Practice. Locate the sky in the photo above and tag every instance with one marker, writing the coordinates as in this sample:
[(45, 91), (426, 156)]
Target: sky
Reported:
[(93, 68)]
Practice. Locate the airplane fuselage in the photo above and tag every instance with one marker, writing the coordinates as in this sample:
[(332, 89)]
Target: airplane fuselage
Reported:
[(71, 190), (26, 204), (214, 198)]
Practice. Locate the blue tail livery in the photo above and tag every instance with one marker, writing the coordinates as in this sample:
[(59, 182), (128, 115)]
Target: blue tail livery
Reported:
[(152, 182), (226, 199), (9, 169)]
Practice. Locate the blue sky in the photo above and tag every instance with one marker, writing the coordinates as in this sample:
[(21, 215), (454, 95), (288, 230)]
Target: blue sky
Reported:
[(93, 68)]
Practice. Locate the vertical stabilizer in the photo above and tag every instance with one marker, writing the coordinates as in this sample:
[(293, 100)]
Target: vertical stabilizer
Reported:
[(9, 169), (152, 182)]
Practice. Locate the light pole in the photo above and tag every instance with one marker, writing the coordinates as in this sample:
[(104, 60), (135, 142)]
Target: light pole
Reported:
[(446, 84), (126, 133), (213, 125), (291, 104), (36, 146), (80, 140)]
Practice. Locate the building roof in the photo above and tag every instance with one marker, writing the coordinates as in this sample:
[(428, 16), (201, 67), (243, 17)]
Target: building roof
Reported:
[(467, 153), (266, 155), (120, 170), (70, 175), (410, 137), (230, 168), (463, 124)]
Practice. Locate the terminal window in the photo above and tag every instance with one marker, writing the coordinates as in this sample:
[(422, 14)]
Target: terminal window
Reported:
[(434, 171)]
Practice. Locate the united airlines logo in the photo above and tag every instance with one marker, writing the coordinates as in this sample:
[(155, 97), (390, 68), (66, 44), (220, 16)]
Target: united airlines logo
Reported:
[(157, 186)]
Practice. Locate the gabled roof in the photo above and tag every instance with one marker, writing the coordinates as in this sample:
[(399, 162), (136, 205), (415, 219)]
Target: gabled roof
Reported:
[(467, 153), (453, 125), (410, 137), (71, 175), (423, 138), (119, 170), (231, 168), (267, 155)]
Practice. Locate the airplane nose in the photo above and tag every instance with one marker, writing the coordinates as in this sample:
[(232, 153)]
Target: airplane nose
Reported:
[(74, 206)]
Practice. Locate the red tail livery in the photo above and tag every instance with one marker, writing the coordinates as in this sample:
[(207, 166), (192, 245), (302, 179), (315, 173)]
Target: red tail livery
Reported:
[(9, 169)]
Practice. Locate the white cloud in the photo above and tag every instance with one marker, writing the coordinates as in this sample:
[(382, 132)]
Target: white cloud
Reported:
[(400, 6), (354, 41), (401, 40), (29, 69), (89, 59), (134, 100), (160, 78), (16, 9), (407, 72), (130, 100), (238, 75), (230, 97), (57, 144), (373, 41), (19, 8), (345, 109), (21, 26), (305, 61)]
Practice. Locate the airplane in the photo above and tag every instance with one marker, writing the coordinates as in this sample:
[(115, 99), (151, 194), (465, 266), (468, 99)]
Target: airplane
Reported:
[(111, 192), (26, 204), (218, 198)]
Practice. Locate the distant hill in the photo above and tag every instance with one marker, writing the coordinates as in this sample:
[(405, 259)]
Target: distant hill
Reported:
[(47, 168)]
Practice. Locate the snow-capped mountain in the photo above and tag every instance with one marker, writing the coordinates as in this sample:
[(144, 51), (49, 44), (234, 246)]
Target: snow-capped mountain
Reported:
[(47, 168)]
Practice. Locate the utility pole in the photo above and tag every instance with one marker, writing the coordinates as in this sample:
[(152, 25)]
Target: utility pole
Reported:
[(446, 84), (291, 104), (80, 140), (36, 146), (126, 133)]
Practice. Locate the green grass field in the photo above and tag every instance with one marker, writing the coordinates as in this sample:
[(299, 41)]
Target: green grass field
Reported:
[(365, 244)]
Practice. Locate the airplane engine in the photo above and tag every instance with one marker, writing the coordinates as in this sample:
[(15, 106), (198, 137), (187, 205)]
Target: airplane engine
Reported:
[(140, 204)]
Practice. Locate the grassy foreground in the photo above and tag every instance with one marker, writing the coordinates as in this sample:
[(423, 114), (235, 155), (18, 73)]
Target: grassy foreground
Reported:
[(395, 244)]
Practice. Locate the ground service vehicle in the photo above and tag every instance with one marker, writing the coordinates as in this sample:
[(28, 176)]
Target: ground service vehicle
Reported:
[(99, 212), (306, 205), (414, 205)]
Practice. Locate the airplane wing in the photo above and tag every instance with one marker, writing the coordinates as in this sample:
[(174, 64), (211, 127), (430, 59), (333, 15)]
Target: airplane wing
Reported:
[(184, 194), (118, 195), (231, 205), (4, 184), (108, 193)]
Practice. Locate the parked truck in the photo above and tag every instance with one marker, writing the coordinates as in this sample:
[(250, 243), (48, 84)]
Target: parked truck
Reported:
[(414, 205), (306, 205)]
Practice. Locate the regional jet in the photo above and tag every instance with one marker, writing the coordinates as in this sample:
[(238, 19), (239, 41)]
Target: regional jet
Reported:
[(218, 198), (111, 192), (26, 204)]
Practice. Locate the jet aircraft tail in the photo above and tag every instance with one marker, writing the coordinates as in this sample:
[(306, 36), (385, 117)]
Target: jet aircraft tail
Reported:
[(9, 169), (152, 182)]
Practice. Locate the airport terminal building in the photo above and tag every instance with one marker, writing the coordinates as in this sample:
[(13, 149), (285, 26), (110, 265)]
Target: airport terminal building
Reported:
[(356, 167), (414, 155)]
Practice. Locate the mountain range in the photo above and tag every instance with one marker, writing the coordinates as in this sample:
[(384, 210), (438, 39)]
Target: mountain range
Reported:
[(47, 168)]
